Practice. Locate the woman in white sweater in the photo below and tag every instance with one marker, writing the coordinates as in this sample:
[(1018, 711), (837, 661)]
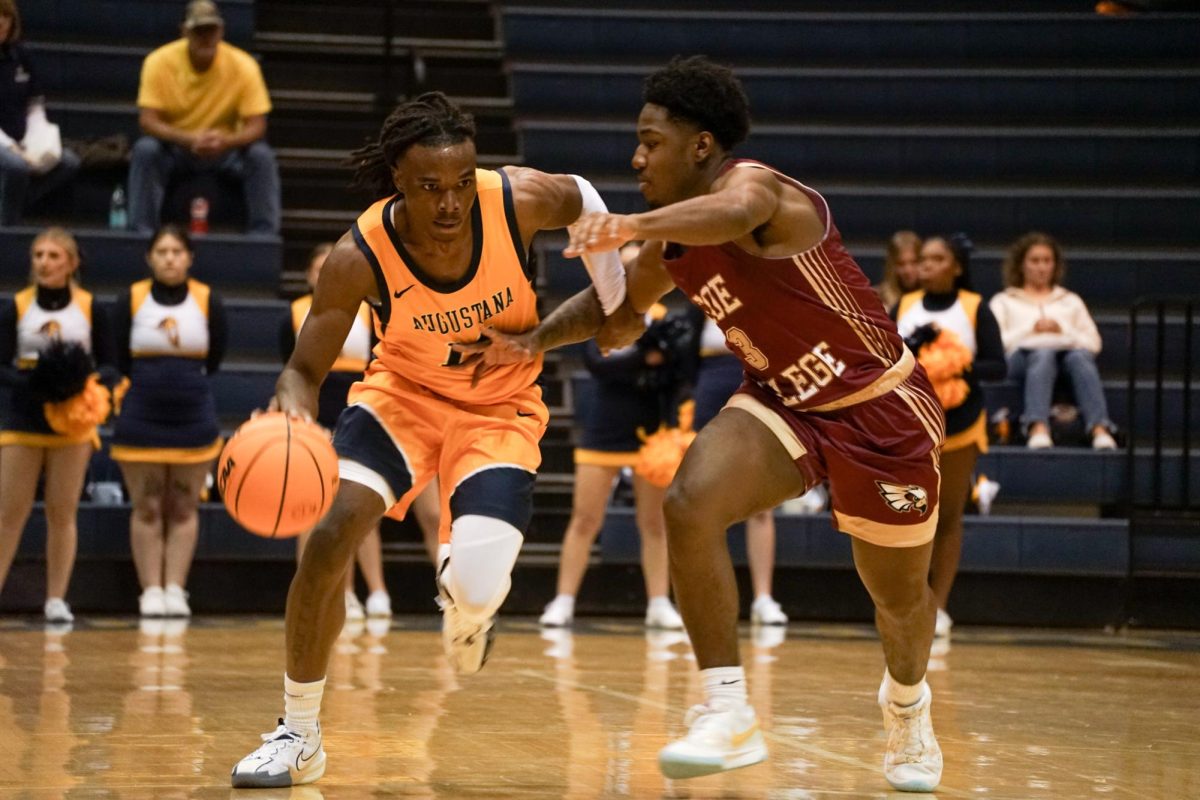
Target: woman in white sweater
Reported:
[(1047, 329)]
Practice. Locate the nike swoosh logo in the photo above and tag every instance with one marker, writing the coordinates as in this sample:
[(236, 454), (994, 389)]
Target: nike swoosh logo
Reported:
[(301, 760), (526, 414), (730, 683), (740, 739), (400, 293)]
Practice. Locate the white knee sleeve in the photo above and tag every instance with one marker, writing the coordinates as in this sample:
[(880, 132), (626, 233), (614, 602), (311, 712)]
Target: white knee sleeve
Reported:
[(483, 551)]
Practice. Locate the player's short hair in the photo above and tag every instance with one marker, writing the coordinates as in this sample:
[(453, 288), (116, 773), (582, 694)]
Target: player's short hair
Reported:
[(705, 94), (429, 119)]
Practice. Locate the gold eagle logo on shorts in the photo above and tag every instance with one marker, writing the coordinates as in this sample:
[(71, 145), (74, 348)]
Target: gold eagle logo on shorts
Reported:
[(904, 498)]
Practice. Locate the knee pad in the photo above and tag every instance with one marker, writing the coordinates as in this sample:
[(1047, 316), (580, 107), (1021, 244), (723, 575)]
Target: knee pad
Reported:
[(483, 551)]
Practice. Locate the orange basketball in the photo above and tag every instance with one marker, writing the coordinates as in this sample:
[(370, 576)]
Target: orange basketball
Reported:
[(278, 475)]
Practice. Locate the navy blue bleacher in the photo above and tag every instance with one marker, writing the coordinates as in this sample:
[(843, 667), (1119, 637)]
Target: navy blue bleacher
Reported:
[(146, 21)]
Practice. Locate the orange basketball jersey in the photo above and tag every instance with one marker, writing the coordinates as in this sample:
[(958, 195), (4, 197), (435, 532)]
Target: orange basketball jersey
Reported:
[(418, 317)]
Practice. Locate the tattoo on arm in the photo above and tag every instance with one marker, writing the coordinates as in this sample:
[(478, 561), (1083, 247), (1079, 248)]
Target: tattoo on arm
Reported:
[(576, 320)]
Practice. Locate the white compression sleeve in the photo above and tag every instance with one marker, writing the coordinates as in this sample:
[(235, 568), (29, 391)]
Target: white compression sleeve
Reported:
[(606, 270)]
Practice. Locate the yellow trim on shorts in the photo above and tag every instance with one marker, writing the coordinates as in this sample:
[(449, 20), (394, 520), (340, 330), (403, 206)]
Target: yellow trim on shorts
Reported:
[(605, 458), (974, 435), (884, 535), (167, 455), (47, 440), (772, 419)]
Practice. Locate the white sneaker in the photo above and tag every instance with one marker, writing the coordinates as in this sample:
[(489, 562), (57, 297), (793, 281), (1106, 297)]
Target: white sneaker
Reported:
[(987, 490), (286, 758), (57, 610), (1104, 441), (718, 739), (466, 640), (559, 613), (175, 601), (379, 604), (913, 760), (942, 625), (661, 614), (152, 603), (765, 611), (1039, 441), (354, 609)]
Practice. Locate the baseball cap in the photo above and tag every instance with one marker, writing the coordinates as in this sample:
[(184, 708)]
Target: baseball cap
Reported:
[(201, 13)]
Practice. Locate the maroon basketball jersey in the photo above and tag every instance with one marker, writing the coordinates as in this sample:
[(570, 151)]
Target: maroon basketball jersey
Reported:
[(807, 327)]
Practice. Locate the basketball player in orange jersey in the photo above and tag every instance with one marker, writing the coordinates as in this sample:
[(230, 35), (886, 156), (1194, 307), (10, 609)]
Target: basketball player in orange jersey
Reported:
[(442, 254), (830, 392)]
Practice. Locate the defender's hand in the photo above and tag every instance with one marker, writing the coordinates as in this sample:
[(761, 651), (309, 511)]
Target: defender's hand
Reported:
[(494, 348), (598, 232)]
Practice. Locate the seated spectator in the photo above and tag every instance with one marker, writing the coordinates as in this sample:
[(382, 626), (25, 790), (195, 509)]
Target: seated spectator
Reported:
[(899, 268), (33, 162), (1047, 329), (203, 107)]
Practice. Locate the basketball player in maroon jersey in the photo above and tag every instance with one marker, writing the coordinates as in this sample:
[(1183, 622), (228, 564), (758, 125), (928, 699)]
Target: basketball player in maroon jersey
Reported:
[(830, 393)]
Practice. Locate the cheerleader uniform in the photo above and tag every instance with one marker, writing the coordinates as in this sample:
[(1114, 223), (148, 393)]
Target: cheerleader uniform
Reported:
[(36, 317), (626, 399), (169, 338), (346, 370), (963, 313)]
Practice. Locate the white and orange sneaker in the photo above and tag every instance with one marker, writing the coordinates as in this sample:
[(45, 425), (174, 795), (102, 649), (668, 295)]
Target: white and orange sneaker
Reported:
[(719, 738)]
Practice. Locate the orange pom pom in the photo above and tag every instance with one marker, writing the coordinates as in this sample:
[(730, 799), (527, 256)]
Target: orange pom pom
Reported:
[(661, 454), (944, 360), (77, 416)]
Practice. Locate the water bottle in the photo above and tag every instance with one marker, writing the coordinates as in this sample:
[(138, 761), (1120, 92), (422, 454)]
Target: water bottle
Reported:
[(118, 212), (199, 221)]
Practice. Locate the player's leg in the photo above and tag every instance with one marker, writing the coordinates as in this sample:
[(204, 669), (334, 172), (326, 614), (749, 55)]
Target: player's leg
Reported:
[(652, 529), (593, 486), (490, 510), (374, 477), (66, 468), (738, 465)]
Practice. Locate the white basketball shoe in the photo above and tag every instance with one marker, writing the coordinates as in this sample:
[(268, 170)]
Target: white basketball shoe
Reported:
[(286, 758), (913, 760), (719, 738), (466, 640)]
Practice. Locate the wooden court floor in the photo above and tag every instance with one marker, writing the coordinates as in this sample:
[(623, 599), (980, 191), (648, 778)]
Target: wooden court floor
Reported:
[(111, 709)]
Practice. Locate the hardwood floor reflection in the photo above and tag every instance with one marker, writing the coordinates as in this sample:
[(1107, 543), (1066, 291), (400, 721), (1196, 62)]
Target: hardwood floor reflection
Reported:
[(114, 709)]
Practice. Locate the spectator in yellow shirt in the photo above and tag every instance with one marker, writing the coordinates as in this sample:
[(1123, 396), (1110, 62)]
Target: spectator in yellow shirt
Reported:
[(203, 106)]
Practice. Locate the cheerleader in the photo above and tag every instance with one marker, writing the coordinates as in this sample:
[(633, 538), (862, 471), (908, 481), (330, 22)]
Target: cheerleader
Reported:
[(956, 339), (53, 315), (170, 332)]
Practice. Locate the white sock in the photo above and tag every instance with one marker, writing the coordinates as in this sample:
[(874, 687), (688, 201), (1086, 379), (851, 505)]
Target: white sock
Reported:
[(901, 694), (724, 686), (302, 704), (661, 600), (566, 601)]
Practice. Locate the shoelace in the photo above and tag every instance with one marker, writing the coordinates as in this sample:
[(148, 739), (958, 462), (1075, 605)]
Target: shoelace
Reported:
[(908, 725)]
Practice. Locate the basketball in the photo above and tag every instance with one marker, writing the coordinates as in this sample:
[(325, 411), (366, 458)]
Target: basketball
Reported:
[(278, 475)]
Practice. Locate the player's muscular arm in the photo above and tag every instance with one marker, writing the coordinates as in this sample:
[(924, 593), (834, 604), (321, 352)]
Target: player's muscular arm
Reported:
[(542, 201), (346, 280)]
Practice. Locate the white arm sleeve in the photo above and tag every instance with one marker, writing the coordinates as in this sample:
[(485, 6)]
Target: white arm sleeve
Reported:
[(605, 269)]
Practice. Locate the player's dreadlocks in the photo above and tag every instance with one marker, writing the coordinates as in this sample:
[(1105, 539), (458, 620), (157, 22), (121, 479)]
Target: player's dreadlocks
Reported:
[(430, 119), (708, 95)]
